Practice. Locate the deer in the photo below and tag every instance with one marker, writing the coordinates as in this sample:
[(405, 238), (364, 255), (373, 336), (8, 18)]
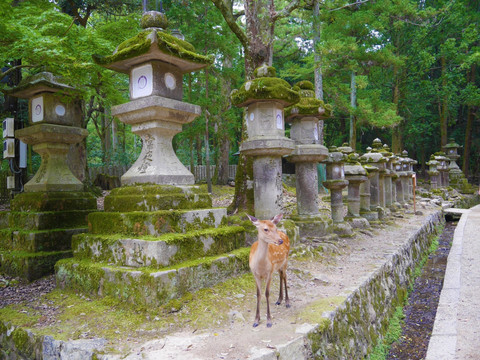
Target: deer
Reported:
[(267, 255)]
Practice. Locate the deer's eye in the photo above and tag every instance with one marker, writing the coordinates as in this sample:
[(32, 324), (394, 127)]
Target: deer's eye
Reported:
[(266, 230)]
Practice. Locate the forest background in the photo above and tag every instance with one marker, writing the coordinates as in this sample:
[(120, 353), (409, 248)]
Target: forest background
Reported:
[(404, 71)]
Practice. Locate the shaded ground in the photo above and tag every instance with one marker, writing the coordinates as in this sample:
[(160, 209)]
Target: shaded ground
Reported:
[(423, 301)]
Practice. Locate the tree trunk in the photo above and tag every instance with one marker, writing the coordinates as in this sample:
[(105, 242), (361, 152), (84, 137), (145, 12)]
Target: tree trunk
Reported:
[(397, 140), (222, 133), (353, 105), (444, 105), (318, 75), (469, 128)]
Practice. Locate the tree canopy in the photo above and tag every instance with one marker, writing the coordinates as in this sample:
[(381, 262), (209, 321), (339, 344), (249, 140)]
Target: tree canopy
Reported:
[(402, 70)]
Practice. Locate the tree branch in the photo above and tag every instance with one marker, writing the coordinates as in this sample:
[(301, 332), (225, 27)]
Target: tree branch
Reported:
[(231, 21), (352, 4), (5, 74), (294, 4)]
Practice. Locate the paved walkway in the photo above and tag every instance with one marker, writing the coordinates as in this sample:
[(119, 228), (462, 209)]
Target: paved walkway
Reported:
[(456, 333)]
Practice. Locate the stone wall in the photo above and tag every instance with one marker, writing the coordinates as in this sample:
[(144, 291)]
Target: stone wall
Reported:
[(353, 329)]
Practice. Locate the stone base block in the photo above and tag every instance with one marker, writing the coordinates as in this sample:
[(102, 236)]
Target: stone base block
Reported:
[(343, 229), (155, 223), (358, 222), (30, 266), (54, 201), (369, 215), (383, 213), (157, 252), (314, 226), (38, 241), (147, 286), (157, 197), (48, 220)]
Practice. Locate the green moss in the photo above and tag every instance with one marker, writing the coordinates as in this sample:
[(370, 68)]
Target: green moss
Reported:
[(143, 42), (394, 331), (264, 88), (308, 104), (314, 313)]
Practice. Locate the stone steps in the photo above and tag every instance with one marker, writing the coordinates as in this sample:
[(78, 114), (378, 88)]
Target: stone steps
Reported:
[(30, 265), (154, 198), (46, 220), (139, 223), (147, 285), (38, 241), (157, 251)]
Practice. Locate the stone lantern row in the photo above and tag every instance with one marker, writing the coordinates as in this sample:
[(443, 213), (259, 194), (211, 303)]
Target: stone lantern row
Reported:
[(378, 182), (444, 171)]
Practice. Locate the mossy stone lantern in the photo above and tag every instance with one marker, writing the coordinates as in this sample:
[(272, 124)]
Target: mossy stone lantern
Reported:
[(265, 97), (303, 117), (336, 182), (442, 167), (388, 175), (54, 206), (454, 172), (156, 61), (356, 175), (408, 180), (53, 108), (365, 194), (433, 172), (376, 159)]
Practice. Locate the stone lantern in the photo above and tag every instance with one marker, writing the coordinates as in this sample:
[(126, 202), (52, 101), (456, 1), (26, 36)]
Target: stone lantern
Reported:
[(303, 117), (336, 182), (442, 167), (408, 178), (265, 97), (54, 206), (54, 108), (455, 175), (389, 174), (355, 175), (155, 62), (365, 194), (399, 183), (433, 172), (377, 184)]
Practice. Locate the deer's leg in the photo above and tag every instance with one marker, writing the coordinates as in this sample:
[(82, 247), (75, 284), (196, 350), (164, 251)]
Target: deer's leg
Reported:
[(267, 296), (287, 300), (280, 295), (258, 282)]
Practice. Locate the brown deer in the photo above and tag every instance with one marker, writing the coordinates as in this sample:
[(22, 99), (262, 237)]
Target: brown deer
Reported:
[(267, 255)]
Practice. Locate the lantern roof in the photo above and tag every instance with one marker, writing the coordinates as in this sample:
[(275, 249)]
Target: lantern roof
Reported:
[(154, 43), (40, 83)]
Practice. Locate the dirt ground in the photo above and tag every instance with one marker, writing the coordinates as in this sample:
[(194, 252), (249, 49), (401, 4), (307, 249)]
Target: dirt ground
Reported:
[(317, 282)]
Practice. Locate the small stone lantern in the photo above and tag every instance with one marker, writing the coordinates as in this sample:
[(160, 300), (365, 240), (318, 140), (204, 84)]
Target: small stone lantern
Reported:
[(399, 183), (455, 175), (433, 172), (377, 183), (53, 109), (356, 175), (442, 167), (336, 182), (265, 97), (365, 195), (304, 117), (155, 62)]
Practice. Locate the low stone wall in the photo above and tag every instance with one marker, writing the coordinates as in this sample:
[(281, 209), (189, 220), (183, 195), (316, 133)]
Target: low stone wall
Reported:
[(354, 327)]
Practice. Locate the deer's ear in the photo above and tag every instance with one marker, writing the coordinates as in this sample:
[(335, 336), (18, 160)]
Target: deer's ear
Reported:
[(276, 219), (253, 219)]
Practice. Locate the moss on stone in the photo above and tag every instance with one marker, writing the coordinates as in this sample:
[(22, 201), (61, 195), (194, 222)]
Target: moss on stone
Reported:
[(144, 42), (264, 88), (308, 104)]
